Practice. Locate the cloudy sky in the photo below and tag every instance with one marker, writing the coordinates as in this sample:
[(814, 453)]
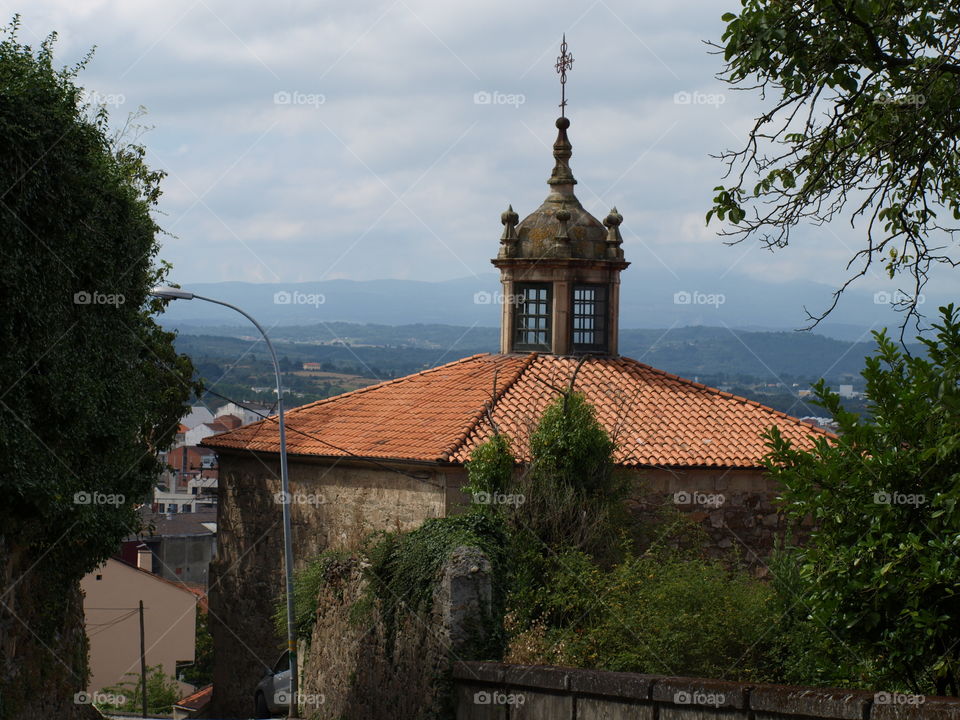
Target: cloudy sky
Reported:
[(382, 139)]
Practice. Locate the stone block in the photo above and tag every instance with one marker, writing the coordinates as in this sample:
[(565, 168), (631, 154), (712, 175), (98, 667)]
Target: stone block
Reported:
[(541, 706), (894, 706), (604, 709), (626, 686), (542, 677), (810, 702), (695, 712), (700, 692)]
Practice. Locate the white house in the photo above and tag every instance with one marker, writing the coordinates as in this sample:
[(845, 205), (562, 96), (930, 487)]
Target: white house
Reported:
[(246, 411), (197, 416)]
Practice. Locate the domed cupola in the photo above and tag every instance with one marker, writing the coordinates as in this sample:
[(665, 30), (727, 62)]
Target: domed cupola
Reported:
[(560, 271), (539, 235)]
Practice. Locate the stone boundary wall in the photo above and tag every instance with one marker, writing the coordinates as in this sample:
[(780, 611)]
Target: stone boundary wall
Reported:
[(494, 691)]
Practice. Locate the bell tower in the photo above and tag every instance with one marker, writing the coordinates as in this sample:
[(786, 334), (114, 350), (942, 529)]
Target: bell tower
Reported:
[(560, 267)]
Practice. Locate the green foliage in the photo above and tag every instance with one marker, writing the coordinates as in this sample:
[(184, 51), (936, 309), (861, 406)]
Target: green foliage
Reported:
[(572, 500), (666, 612), (404, 567), (92, 389), (571, 496), (489, 472), (162, 692), (881, 571), (200, 673), (307, 583), (863, 110), (570, 446), (807, 652)]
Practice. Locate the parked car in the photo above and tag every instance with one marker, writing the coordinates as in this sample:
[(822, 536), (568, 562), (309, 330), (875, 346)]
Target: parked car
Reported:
[(272, 696)]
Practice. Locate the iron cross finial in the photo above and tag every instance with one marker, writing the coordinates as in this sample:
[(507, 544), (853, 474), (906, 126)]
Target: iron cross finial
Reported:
[(564, 63)]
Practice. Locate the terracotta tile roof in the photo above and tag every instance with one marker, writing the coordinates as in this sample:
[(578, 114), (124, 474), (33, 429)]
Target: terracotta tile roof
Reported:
[(197, 701), (439, 415)]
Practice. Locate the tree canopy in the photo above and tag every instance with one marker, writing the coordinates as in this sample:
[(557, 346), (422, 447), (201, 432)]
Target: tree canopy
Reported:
[(879, 578), (91, 387), (863, 121)]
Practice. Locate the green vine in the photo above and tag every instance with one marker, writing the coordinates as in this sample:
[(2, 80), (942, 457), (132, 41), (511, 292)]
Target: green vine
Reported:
[(404, 567)]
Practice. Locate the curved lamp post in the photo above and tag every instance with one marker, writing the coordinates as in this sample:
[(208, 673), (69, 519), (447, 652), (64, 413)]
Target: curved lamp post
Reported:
[(172, 293)]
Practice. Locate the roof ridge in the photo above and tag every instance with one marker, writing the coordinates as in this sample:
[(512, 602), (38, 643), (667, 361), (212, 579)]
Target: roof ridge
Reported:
[(369, 388), (179, 585), (478, 415), (721, 393)]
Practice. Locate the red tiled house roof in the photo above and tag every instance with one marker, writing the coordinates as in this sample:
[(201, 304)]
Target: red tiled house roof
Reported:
[(439, 415), (197, 701)]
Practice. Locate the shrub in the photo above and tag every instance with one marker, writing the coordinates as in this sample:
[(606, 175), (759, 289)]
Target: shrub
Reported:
[(880, 571), (664, 612), (162, 692)]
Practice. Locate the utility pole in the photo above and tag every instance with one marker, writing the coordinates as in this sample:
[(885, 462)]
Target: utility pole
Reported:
[(143, 666)]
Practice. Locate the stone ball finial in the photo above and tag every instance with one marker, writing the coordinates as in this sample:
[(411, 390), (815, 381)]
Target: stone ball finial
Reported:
[(563, 215), (509, 217), (563, 123), (613, 219)]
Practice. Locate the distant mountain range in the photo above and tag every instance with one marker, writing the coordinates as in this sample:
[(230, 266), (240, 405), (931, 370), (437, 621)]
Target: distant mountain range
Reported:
[(651, 297), (709, 353)]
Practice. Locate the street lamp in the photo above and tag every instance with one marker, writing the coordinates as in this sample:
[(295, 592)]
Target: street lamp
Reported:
[(172, 293)]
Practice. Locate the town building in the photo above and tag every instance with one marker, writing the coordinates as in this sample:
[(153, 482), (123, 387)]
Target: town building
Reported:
[(112, 596), (247, 412), (198, 414), (181, 546)]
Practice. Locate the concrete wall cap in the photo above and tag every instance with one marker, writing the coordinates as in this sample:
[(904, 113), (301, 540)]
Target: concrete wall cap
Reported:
[(629, 686), (538, 676), (915, 707), (700, 692), (812, 702)]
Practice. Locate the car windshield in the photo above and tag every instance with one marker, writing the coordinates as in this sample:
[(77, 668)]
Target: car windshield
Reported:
[(282, 664)]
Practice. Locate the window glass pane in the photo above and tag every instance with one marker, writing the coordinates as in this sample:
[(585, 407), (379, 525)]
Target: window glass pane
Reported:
[(589, 317), (532, 317)]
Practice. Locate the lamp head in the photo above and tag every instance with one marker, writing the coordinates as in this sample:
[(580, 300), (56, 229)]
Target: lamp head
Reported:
[(171, 293)]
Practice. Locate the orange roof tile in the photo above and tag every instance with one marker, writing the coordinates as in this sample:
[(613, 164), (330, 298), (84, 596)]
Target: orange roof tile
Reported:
[(439, 415), (197, 701)]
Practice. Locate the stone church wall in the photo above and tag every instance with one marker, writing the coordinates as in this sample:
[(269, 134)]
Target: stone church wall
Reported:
[(736, 508), (336, 504)]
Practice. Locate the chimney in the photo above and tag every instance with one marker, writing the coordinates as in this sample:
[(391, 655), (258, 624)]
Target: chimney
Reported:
[(144, 557)]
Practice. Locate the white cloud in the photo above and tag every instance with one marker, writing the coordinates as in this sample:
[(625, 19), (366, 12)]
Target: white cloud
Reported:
[(296, 191)]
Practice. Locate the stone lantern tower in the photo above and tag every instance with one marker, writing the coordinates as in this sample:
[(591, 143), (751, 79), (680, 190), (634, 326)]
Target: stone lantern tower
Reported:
[(560, 271)]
